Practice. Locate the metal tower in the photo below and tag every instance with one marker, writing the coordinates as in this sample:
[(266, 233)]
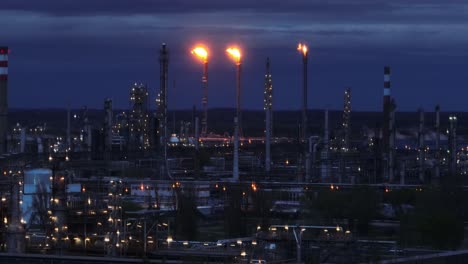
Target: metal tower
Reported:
[(268, 107), (303, 49), (204, 121), (162, 98), (386, 109), (346, 118)]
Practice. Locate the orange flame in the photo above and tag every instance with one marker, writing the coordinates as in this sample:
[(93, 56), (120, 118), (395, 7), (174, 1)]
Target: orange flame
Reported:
[(201, 53), (303, 48), (234, 53)]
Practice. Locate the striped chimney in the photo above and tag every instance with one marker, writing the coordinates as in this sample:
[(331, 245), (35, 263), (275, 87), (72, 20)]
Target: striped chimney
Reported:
[(3, 98), (386, 109)]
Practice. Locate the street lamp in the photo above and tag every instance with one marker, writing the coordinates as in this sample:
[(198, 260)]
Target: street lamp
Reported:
[(202, 53), (235, 54)]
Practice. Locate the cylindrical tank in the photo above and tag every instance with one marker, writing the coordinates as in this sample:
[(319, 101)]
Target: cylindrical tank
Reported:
[(38, 176)]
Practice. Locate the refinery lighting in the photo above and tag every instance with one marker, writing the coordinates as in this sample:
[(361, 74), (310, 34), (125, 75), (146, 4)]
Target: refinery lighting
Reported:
[(235, 54), (201, 53)]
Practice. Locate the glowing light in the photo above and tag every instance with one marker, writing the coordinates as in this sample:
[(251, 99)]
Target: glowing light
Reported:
[(201, 52), (302, 48), (235, 54)]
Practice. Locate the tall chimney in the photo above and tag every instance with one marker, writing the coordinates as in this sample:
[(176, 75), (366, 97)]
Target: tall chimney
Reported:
[(346, 118), (205, 99), (268, 104), (453, 146), (235, 161), (3, 99), (164, 69), (391, 145), (386, 109)]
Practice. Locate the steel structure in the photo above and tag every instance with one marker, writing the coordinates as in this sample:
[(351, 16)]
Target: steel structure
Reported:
[(139, 118), (268, 107), (203, 54), (386, 109), (304, 51), (346, 118), (236, 55), (162, 98)]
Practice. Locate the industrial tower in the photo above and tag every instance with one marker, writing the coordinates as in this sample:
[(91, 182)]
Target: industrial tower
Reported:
[(162, 98), (3, 98), (303, 49), (268, 107), (386, 110), (346, 118), (139, 118)]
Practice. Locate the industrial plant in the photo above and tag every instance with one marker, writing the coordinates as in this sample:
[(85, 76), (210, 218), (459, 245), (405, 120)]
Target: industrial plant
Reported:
[(149, 184)]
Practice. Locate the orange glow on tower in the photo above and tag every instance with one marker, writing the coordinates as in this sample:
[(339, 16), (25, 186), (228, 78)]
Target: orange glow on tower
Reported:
[(235, 54), (302, 48), (201, 52)]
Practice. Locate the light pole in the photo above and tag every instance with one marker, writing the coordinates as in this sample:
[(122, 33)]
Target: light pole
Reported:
[(202, 53), (297, 232), (235, 54)]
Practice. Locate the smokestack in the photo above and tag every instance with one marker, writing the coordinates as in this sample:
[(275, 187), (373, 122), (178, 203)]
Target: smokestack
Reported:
[(437, 142), (391, 145), (421, 147), (386, 109), (164, 69), (3, 99), (268, 104), (304, 97), (238, 90), (205, 99), (453, 146), (235, 169)]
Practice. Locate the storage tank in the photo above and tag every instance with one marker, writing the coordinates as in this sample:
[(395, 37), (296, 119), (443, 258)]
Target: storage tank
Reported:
[(38, 176)]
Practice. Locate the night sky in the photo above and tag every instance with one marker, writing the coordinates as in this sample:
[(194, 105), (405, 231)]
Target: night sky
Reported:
[(80, 52)]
